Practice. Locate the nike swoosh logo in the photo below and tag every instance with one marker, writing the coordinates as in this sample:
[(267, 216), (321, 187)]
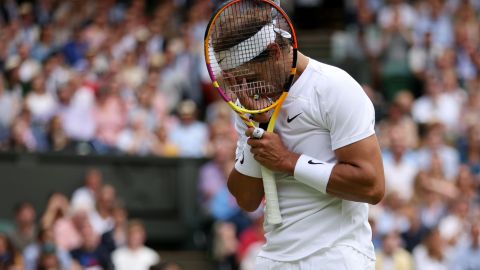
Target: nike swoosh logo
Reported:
[(314, 163), (293, 118), (243, 158)]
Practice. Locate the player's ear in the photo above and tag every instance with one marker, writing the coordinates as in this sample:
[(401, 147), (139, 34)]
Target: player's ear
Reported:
[(274, 50)]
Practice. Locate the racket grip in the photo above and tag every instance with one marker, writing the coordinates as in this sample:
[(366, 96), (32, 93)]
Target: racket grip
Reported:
[(272, 208)]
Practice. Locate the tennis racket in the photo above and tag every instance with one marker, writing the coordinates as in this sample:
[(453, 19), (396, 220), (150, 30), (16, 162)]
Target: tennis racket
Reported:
[(251, 52)]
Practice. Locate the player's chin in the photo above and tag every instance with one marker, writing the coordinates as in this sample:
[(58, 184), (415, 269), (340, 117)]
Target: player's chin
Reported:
[(261, 118)]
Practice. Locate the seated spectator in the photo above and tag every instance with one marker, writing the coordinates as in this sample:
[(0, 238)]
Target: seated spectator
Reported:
[(67, 230), (85, 196), (467, 186), (110, 114), (136, 139), (22, 137), (40, 103), (10, 258), (135, 255), (225, 245), (9, 108), (468, 255), (400, 166), (250, 240), (44, 252), (101, 217), (57, 139), (77, 111), (117, 237), (392, 256), (430, 255), (92, 254), (429, 199), (25, 231), (416, 230), (453, 226), (162, 145), (436, 107), (391, 217), (190, 135), (436, 147), (216, 200)]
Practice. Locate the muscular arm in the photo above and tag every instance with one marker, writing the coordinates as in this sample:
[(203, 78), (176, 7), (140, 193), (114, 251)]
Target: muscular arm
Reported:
[(247, 190), (358, 174)]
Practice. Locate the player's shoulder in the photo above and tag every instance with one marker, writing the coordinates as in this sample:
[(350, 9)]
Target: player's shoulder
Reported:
[(332, 79)]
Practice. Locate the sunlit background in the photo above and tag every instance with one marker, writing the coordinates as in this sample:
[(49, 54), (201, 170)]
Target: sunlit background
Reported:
[(114, 147)]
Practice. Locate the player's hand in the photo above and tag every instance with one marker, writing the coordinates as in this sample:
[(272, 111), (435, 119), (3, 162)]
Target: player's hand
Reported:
[(270, 152)]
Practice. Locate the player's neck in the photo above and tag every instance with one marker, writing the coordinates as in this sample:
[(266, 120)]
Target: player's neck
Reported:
[(302, 62)]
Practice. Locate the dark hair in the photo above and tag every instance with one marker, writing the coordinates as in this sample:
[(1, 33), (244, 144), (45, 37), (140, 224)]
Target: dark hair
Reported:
[(7, 259), (21, 205), (226, 34)]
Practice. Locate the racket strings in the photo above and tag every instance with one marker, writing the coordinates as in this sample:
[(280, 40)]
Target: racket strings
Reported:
[(246, 67)]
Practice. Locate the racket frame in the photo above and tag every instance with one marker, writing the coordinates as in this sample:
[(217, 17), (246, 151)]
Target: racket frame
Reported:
[(272, 210)]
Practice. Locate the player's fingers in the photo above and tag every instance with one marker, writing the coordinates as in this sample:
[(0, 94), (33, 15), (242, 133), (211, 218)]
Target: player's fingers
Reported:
[(249, 131)]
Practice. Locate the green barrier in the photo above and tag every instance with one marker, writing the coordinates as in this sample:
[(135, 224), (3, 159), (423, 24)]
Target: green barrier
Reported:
[(160, 191)]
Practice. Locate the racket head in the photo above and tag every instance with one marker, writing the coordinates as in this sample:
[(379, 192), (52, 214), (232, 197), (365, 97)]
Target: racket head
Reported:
[(250, 50)]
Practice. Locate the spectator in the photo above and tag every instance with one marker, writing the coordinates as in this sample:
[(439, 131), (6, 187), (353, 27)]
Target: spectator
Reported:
[(391, 217), (436, 107), (136, 139), (92, 254), (431, 253), (101, 218), (77, 111), (25, 229), (57, 208), (9, 107), (9, 257), (392, 256), (468, 256), (416, 230), (400, 166), (249, 242), (85, 197), (117, 237), (135, 255), (110, 114), (436, 147), (43, 253), (57, 139), (67, 230), (39, 102), (190, 135), (162, 144), (455, 224)]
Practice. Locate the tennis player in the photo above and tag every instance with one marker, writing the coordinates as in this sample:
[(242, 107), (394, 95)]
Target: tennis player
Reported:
[(328, 167)]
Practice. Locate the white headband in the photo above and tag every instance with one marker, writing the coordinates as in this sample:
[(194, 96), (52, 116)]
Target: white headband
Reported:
[(247, 49)]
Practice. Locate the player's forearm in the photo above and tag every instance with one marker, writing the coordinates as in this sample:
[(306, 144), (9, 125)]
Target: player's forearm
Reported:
[(248, 191), (356, 182)]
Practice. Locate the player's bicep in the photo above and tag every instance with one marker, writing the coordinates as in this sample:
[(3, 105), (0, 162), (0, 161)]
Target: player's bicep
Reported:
[(364, 153)]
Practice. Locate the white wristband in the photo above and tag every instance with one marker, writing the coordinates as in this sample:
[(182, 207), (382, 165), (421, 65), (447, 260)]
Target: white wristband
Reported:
[(246, 164), (313, 172)]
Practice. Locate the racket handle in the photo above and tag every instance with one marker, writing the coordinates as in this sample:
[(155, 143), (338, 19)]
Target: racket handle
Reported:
[(272, 208)]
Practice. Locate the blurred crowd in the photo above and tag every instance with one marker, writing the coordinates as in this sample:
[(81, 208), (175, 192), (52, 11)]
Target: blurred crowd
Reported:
[(90, 230), (128, 77), (105, 77), (419, 62)]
